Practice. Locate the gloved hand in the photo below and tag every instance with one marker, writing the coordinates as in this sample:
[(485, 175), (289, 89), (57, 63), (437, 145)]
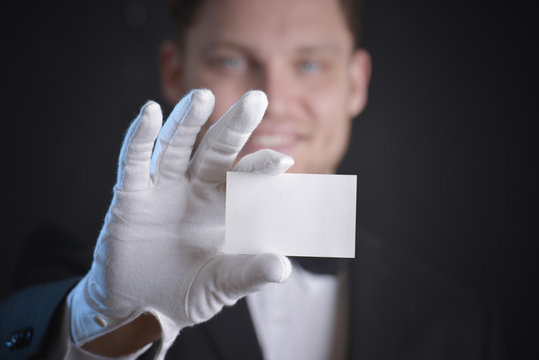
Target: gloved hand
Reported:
[(159, 250)]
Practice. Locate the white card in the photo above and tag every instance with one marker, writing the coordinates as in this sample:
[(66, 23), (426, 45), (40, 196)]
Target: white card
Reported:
[(291, 214)]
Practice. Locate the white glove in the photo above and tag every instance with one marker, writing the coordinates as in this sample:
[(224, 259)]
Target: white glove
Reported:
[(159, 250)]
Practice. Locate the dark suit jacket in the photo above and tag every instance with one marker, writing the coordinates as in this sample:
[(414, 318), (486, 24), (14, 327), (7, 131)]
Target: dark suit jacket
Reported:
[(398, 310)]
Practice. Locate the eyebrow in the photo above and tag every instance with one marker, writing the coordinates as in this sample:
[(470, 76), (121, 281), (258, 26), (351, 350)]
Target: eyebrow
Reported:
[(229, 45), (319, 48), (324, 48)]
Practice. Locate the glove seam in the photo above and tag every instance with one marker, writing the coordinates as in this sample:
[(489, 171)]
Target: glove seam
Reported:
[(189, 287), (154, 178), (205, 150)]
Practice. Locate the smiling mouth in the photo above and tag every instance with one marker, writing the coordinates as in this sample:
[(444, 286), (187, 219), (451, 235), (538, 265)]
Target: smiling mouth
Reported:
[(272, 140)]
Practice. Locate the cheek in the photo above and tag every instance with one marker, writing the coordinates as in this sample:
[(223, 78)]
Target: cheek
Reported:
[(225, 96), (332, 129), (330, 114)]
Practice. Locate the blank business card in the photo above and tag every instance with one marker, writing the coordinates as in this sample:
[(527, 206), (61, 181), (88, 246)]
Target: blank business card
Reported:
[(291, 214)]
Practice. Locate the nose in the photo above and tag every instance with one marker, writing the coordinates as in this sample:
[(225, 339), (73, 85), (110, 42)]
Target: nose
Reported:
[(279, 88)]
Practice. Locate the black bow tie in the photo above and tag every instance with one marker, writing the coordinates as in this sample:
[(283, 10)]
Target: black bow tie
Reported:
[(318, 265)]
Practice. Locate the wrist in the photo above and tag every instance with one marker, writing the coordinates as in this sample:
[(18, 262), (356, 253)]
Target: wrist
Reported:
[(126, 339)]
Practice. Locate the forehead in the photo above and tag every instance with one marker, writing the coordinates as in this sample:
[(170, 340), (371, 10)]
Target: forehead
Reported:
[(272, 24)]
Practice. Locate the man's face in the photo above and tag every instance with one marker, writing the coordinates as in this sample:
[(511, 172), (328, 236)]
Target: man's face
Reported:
[(300, 52)]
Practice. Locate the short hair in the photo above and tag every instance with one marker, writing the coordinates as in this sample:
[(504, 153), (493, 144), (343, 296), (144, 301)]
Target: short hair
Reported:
[(184, 12)]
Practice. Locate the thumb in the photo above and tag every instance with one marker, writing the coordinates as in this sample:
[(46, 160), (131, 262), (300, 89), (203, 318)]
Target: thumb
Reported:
[(248, 273), (227, 278), (265, 161)]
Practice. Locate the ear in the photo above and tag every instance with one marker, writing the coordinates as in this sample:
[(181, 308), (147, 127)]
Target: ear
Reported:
[(170, 65), (360, 76)]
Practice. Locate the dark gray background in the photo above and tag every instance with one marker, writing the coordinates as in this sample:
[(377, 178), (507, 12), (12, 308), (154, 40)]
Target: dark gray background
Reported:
[(444, 150)]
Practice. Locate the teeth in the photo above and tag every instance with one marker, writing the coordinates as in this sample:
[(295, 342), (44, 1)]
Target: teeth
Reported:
[(272, 140)]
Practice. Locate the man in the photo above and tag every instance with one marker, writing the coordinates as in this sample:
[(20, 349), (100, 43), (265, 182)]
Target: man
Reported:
[(158, 270)]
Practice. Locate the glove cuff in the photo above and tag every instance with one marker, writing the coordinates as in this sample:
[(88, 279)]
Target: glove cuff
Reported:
[(89, 319)]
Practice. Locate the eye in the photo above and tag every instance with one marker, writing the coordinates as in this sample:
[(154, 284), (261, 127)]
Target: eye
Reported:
[(227, 62), (310, 66), (233, 62)]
